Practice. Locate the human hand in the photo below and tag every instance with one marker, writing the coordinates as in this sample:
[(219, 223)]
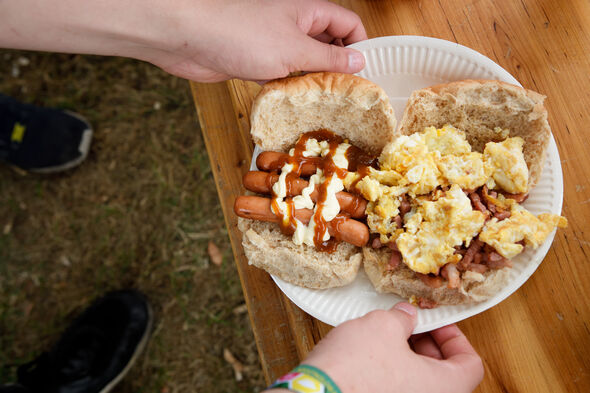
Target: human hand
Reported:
[(257, 40), (372, 354), (201, 40)]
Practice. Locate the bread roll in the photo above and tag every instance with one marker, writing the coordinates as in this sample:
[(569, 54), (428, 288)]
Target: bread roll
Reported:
[(350, 106), (477, 107)]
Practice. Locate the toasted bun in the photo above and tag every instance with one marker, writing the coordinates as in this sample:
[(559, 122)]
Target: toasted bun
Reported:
[(267, 248), (348, 105), (404, 282), (478, 107)]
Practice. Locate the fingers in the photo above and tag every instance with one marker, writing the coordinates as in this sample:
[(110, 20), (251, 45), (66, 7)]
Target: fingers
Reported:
[(325, 57), (458, 352), (423, 344), (328, 27), (324, 37), (405, 315), (337, 22), (452, 342)]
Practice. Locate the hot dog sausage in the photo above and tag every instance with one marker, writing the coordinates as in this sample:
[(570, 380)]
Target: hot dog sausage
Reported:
[(343, 229), (261, 182), (273, 161)]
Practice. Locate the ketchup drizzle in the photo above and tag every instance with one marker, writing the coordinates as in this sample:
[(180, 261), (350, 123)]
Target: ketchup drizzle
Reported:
[(358, 160)]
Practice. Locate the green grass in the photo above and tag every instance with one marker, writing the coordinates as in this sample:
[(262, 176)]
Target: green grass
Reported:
[(139, 212)]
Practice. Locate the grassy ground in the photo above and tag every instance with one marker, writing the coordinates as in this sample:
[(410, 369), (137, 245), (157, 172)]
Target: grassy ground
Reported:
[(138, 213)]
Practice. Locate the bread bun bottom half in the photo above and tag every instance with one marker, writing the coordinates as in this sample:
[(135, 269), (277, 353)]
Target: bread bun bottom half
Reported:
[(354, 109), (477, 107), (404, 282), (267, 248)]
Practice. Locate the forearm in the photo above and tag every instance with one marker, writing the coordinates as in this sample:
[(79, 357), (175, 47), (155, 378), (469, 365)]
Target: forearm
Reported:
[(202, 40), (103, 27)]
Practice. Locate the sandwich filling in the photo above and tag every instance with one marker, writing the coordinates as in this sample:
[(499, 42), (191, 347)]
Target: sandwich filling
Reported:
[(432, 198), (333, 158)]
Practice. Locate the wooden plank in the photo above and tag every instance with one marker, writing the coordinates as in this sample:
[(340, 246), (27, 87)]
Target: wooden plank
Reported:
[(305, 329), (230, 152), (538, 339)]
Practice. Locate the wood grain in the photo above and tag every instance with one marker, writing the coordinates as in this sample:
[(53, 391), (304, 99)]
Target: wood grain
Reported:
[(539, 338)]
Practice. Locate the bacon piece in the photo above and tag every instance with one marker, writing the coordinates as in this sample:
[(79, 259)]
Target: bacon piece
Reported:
[(460, 250), (404, 206), (487, 201), (394, 261), (431, 281), (491, 207), (450, 272), (376, 243), (393, 245), (398, 221), (519, 198), (497, 261), (497, 211), (502, 214), (476, 202), (477, 258), (425, 303), (473, 249)]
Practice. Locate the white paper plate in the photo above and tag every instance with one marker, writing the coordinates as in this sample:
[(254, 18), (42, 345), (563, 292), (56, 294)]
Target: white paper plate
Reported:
[(401, 64)]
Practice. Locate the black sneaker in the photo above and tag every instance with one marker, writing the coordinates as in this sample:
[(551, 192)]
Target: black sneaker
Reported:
[(42, 140), (96, 351)]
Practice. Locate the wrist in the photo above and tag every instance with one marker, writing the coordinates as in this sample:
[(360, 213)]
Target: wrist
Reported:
[(306, 379)]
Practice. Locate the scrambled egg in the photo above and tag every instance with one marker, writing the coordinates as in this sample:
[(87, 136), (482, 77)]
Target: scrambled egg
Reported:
[(419, 165), (510, 171), (434, 230), (521, 225), (410, 158), (468, 171), (446, 140)]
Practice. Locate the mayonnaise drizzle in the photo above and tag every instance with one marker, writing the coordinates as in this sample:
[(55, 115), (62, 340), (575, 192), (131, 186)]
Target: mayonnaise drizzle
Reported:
[(331, 207)]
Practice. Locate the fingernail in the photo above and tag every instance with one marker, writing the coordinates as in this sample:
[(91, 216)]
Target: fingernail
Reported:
[(356, 61), (406, 307)]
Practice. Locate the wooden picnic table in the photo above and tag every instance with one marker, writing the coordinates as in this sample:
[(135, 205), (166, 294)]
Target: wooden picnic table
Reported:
[(537, 340)]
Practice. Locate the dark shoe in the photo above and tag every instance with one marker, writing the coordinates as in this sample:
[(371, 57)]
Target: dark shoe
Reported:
[(96, 351), (41, 140)]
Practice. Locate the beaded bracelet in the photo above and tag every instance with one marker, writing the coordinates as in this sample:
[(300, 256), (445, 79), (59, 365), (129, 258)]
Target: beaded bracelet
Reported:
[(306, 379)]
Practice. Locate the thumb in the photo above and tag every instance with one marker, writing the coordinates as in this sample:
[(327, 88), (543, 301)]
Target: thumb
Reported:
[(326, 57), (406, 315)]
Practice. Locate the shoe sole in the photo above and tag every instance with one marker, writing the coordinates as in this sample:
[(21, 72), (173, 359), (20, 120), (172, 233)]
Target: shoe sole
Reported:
[(140, 347), (83, 148)]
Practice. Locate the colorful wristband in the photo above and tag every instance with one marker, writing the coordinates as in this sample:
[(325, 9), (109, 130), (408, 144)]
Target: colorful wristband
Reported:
[(306, 379)]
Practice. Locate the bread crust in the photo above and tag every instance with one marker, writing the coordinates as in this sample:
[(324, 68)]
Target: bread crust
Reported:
[(348, 105), (477, 107)]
